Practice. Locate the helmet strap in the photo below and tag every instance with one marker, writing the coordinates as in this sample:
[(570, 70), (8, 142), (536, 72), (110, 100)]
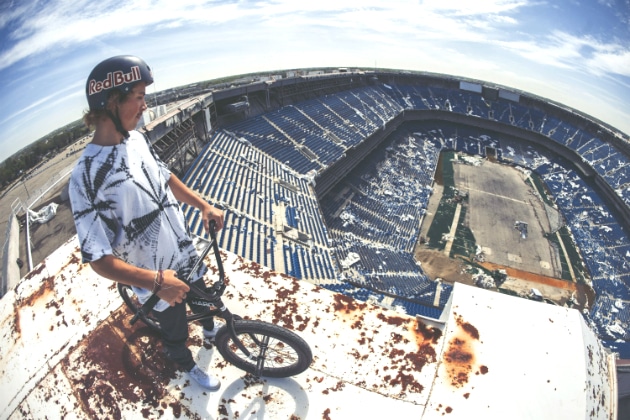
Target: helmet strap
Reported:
[(116, 120)]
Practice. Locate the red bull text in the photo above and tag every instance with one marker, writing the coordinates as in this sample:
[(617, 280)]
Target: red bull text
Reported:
[(114, 79)]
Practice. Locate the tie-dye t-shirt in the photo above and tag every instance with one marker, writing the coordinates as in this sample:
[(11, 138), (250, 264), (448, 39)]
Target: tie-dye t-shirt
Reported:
[(122, 206)]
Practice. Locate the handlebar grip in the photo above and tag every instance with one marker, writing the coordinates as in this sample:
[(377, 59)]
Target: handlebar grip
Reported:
[(145, 308)]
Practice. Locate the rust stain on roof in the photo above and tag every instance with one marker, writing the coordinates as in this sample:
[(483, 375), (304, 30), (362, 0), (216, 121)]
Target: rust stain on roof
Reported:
[(428, 333), (122, 363), (35, 272), (285, 307), (46, 288), (443, 409), (408, 362), (45, 293), (338, 387), (347, 305), (460, 358)]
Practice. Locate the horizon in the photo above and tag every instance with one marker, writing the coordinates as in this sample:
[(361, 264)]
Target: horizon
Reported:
[(79, 120), (573, 53)]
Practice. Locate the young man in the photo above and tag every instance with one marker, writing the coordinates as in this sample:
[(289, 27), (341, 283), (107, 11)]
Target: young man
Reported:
[(125, 205)]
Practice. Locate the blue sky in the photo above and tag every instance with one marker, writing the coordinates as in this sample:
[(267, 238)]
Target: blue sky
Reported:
[(574, 52)]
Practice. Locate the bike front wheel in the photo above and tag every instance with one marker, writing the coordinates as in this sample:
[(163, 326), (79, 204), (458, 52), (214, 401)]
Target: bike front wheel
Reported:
[(274, 352)]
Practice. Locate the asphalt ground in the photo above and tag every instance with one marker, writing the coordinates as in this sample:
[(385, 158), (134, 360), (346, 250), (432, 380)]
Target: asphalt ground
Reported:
[(41, 186)]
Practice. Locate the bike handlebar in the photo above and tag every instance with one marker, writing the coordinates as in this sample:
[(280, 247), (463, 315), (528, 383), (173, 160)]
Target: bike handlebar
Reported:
[(154, 298)]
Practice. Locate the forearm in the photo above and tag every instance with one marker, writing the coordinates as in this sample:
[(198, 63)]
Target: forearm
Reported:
[(184, 194), (172, 290), (117, 270), (188, 196)]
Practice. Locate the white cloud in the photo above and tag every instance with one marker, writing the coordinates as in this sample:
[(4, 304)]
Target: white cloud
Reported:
[(50, 101), (567, 51), (610, 60), (63, 23), (478, 7), (191, 40)]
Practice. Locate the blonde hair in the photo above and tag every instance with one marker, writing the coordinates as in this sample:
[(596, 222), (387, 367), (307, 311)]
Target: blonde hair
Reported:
[(92, 116)]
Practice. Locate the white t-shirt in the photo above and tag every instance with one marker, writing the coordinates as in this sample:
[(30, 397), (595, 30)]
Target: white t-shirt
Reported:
[(122, 206)]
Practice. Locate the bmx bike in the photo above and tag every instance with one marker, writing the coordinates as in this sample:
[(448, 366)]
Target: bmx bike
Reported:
[(257, 347)]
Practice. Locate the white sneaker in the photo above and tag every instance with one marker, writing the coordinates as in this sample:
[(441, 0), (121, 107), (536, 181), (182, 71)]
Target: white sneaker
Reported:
[(210, 334), (202, 378)]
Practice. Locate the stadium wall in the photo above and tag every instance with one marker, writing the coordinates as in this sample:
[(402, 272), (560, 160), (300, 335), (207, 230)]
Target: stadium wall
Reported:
[(580, 120), (192, 109), (337, 171)]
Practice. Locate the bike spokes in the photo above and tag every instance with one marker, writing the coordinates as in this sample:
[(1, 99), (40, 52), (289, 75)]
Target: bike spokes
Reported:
[(264, 349)]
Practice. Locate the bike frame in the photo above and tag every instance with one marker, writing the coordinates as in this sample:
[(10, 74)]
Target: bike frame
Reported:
[(211, 299)]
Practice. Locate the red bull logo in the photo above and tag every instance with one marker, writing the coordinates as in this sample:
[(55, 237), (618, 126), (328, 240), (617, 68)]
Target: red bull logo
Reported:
[(114, 79)]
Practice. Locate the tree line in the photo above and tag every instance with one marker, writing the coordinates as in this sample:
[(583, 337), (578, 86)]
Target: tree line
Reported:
[(38, 152)]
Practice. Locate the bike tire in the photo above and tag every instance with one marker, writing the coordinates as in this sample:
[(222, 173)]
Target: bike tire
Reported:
[(132, 302), (287, 353)]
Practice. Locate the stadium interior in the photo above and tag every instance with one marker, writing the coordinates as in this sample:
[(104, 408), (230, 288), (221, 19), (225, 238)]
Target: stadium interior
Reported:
[(327, 179)]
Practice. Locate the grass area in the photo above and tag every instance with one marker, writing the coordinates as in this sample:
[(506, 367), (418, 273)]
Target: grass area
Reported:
[(573, 253), (579, 270), (445, 212), (464, 243), (539, 185), (508, 292), (566, 274)]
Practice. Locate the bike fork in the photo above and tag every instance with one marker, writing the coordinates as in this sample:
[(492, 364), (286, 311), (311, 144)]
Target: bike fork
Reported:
[(262, 345), (229, 321), (260, 362)]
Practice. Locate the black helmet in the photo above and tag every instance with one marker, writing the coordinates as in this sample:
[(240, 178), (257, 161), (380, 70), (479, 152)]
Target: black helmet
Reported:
[(120, 72)]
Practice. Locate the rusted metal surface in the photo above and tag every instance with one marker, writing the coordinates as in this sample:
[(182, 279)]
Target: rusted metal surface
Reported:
[(68, 351)]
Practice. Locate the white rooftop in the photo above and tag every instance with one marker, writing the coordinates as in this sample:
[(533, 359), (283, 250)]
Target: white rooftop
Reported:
[(68, 351)]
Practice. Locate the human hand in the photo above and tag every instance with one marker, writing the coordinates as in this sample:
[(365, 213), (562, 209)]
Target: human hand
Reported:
[(173, 290), (209, 213)]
